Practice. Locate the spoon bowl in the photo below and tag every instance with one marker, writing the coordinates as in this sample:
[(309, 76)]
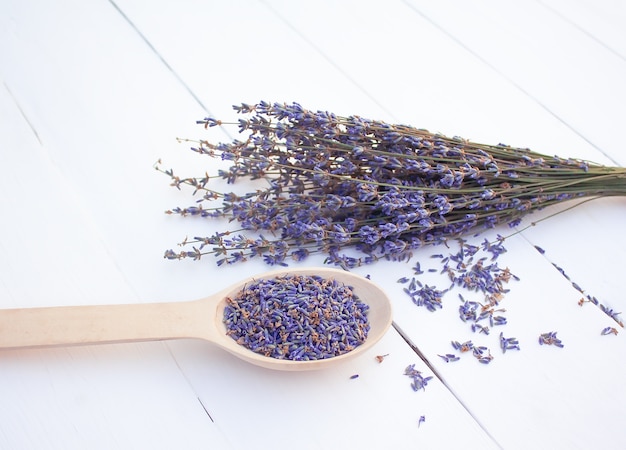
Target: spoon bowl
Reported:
[(200, 319)]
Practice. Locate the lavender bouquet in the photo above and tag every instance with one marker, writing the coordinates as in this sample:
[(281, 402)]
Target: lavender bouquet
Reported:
[(357, 190)]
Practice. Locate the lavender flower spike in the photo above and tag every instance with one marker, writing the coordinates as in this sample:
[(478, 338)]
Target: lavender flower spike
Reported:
[(360, 190)]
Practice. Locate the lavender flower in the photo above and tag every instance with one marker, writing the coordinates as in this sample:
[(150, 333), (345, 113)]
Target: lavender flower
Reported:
[(338, 183)]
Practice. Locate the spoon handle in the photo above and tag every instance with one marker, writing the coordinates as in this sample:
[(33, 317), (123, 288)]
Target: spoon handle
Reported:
[(74, 325)]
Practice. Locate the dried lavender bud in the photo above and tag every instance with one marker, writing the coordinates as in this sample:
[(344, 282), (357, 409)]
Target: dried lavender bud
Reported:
[(464, 347), (550, 339), (508, 343), (482, 354), (297, 317), (448, 357), (424, 295), (591, 299), (479, 328), (468, 311), (608, 330), (381, 358), (612, 314), (418, 381)]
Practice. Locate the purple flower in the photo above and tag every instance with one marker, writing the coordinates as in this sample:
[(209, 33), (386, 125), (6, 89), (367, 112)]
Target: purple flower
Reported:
[(550, 339), (366, 177), (418, 381), (369, 235), (297, 317)]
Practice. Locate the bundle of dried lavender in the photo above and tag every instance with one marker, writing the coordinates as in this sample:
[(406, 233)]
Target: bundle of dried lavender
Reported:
[(337, 183)]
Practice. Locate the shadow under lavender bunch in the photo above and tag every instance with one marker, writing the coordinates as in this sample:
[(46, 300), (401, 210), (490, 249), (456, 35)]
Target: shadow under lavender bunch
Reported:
[(357, 190)]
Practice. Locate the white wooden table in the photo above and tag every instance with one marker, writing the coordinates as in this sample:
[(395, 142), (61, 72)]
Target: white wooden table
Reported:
[(94, 92)]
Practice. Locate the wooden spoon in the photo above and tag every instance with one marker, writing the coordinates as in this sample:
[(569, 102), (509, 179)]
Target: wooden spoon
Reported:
[(202, 319)]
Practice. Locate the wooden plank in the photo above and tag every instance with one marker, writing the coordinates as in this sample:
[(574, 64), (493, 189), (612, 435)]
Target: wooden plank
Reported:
[(112, 102), (600, 21), (51, 247), (109, 396), (540, 395), (570, 75), (331, 408), (102, 115), (301, 19)]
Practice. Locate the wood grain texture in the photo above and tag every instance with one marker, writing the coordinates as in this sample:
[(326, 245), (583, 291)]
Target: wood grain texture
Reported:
[(94, 93)]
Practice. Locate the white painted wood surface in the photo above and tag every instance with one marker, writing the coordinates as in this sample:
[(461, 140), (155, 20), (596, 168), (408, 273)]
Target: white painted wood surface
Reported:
[(93, 93)]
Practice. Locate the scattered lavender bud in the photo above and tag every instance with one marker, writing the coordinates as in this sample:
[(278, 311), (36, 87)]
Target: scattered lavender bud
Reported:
[(508, 343), (480, 328), (449, 357), (380, 358), (482, 354), (561, 271), (495, 248), (612, 314), (468, 311), (592, 300), (418, 381), (354, 377), (424, 295), (478, 351), (550, 339), (464, 347), (609, 330), (498, 320), (421, 420)]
